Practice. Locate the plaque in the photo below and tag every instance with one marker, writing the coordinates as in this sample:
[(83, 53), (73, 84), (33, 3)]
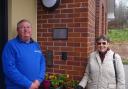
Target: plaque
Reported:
[(60, 33)]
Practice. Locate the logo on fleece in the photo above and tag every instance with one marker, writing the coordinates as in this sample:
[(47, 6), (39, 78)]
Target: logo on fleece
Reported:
[(37, 51)]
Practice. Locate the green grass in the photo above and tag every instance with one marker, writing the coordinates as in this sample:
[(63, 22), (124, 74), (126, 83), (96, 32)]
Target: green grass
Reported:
[(118, 35), (125, 61)]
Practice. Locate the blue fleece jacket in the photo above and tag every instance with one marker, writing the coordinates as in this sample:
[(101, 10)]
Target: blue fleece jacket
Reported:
[(23, 63)]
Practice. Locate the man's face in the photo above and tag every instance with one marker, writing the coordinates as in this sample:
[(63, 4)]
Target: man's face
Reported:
[(102, 45), (24, 31)]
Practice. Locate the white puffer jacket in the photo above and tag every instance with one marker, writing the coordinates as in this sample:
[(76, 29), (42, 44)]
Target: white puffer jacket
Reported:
[(101, 75)]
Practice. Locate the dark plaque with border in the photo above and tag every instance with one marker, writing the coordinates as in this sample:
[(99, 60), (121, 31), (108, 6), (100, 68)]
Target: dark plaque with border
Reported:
[(60, 33)]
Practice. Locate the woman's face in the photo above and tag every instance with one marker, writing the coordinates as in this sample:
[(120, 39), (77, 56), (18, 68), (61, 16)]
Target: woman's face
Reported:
[(102, 45)]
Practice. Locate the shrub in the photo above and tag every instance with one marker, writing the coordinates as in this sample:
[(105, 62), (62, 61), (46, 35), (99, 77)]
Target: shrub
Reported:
[(59, 81)]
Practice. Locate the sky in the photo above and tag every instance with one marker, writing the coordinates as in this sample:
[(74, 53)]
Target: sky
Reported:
[(124, 1), (117, 2)]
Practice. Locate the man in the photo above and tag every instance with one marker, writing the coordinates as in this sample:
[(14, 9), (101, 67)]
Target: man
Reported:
[(23, 61)]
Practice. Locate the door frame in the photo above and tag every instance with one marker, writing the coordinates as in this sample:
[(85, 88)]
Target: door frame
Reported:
[(4, 36)]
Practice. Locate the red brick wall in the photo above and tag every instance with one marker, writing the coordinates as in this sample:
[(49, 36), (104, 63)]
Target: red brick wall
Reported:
[(79, 17), (101, 17)]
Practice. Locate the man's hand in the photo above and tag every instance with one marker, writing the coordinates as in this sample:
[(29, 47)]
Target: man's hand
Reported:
[(35, 85)]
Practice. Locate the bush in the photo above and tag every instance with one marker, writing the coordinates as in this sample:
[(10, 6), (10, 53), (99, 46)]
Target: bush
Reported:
[(59, 81)]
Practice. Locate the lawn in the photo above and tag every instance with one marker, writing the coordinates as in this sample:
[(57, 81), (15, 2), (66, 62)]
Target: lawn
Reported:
[(118, 35)]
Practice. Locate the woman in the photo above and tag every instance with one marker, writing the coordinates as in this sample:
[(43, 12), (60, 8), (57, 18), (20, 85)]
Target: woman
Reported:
[(100, 72)]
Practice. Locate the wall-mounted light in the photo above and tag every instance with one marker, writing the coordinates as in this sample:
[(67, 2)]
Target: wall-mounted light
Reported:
[(50, 4)]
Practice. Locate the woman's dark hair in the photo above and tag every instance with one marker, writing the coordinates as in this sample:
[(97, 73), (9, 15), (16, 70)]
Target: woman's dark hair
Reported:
[(102, 37)]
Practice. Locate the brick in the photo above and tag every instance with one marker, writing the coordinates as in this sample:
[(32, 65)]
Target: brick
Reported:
[(67, 11), (80, 19), (75, 34), (59, 71), (85, 19), (53, 20), (68, 67), (67, 1)]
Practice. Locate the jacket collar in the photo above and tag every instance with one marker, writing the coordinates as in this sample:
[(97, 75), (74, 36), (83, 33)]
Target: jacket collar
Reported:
[(18, 39), (107, 55)]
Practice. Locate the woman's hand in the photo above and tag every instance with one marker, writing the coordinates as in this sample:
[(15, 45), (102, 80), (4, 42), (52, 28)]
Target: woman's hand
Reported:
[(79, 87)]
